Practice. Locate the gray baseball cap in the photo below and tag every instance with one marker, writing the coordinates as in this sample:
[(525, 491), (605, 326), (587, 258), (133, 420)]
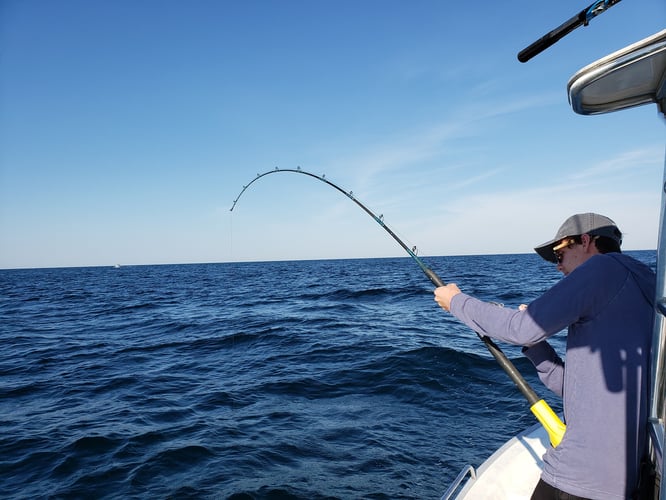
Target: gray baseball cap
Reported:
[(592, 224)]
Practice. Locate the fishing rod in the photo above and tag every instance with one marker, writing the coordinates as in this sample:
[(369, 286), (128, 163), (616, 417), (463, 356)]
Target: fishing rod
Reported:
[(544, 414), (581, 19)]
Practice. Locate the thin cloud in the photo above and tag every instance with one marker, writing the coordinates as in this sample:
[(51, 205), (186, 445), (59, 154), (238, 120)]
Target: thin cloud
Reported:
[(627, 162), (515, 221), (409, 148)]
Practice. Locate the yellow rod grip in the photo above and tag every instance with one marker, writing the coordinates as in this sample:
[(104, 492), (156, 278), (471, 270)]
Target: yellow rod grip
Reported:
[(550, 421)]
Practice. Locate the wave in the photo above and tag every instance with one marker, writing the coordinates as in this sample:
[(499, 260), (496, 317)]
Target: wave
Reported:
[(344, 381)]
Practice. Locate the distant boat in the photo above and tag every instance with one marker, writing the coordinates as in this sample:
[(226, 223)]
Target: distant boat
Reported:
[(117, 266)]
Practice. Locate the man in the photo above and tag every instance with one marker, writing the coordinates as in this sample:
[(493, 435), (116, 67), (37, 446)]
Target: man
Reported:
[(606, 301)]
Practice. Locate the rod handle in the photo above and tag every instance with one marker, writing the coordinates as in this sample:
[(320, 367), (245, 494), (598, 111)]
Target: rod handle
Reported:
[(551, 37), (550, 421)]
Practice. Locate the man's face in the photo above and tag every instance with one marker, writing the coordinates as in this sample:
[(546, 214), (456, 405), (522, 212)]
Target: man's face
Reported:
[(571, 254)]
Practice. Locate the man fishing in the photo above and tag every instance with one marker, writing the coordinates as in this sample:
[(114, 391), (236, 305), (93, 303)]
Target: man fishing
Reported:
[(606, 301)]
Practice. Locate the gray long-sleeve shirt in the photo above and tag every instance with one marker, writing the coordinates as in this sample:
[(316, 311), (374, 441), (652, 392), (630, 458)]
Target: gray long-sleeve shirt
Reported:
[(607, 305)]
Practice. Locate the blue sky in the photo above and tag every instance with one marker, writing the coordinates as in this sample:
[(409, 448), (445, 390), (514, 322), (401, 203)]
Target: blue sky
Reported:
[(128, 127)]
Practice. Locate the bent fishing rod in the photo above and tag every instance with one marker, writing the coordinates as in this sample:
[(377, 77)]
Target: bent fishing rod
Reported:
[(583, 18), (541, 410)]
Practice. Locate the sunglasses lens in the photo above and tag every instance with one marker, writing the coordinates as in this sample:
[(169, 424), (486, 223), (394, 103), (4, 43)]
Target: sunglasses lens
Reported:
[(559, 249)]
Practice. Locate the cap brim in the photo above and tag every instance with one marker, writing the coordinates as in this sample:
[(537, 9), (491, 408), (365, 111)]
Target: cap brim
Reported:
[(546, 252)]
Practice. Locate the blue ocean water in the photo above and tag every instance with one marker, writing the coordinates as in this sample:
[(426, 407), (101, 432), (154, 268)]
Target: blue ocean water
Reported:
[(295, 380)]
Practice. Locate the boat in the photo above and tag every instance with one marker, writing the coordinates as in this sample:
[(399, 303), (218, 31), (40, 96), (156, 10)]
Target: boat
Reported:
[(630, 77)]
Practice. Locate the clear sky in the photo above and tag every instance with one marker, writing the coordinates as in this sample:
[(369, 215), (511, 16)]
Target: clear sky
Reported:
[(128, 127)]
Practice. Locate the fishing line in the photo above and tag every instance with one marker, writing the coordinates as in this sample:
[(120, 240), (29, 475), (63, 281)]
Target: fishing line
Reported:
[(231, 235), (539, 407)]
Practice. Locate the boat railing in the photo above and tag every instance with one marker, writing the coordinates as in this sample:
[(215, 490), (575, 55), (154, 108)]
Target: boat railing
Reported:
[(656, 432), (468, 469)]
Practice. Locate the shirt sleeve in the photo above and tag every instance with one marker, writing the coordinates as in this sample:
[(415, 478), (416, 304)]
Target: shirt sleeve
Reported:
[(509, 325), (563, 305), (549, 366)]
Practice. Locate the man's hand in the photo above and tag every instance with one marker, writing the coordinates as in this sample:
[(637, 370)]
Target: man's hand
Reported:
[(444, 294)]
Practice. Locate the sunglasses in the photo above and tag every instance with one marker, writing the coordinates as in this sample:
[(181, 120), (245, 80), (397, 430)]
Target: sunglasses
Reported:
[(566, 243)]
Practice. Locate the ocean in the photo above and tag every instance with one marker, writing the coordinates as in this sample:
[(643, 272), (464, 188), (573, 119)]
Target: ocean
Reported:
[(329, 379)]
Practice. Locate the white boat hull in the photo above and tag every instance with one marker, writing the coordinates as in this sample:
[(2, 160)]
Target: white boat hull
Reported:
[(512, 471)]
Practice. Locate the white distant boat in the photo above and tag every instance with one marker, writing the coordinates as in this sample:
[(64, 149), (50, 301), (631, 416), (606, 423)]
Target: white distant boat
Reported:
[(117, 266), (627, 78)]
